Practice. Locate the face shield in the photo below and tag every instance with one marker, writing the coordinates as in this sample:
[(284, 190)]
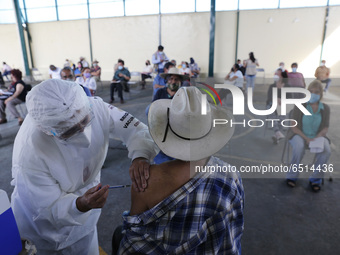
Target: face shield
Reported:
[(59, 108)]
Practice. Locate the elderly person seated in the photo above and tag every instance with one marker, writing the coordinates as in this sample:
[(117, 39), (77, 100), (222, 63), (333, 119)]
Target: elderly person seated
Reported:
[(322, 74), (87, 81), (186, 209), (66, 74), (15, 95), (96, 71), (311, 132)]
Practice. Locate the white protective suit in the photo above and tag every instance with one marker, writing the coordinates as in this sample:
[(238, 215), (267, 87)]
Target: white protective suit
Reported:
[(49, 176)]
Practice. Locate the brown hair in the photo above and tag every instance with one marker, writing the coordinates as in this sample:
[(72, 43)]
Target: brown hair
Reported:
[(318, 85), (17, 74)]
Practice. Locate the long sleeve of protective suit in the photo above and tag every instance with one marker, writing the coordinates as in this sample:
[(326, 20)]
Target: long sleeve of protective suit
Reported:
[(49, 176)]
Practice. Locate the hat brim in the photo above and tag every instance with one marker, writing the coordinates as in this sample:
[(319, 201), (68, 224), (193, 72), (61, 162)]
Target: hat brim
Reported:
[(183, 76), (188, 150)]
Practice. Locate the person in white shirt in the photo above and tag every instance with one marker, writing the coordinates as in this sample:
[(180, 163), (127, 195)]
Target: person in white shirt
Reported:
[(159, 59), (57, 159), (54, 72), (235, 76), (87, 81), (185, 69), (6, 70), (84, 62), (146, 73)]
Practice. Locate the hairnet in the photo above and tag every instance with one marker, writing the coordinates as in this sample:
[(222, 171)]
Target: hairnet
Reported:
[(57, 105)]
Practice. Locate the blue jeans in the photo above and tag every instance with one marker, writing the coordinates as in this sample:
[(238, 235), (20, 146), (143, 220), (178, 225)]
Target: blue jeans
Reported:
[(298, 146), (250, 81)]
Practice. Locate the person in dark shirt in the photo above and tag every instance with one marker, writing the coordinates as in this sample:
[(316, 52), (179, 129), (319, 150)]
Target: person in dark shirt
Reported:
[(16, 95), (119, 81)]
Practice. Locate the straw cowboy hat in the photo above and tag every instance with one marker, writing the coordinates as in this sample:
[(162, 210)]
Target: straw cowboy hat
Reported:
[(182, 132), (175, 71)]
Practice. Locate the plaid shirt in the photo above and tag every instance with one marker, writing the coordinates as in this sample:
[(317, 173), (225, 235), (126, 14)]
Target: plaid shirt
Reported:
[(204, 216)]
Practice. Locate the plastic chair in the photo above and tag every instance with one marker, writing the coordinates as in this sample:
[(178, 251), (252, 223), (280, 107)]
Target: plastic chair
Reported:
[(10, 242), (37, 76), (135, 74), (285, 158), (261, 70)]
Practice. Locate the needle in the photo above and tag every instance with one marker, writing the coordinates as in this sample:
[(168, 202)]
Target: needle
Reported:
[(119, 186)]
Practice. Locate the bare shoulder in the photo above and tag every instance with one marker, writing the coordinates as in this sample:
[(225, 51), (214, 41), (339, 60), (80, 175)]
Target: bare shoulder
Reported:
[(164, 179)]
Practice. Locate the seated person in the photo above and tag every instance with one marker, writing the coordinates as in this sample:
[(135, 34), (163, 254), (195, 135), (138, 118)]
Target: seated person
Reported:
[(235, 76), (174, 80), (16, 95), (185, 210), (309, 128), (96, 71), (54, 72), (119, 81), (146, 73), (87, 81), (280, 81), (296, 79), (6, 70), (66, 74), (195, 70), (78, 70), (322, 74), (282, 67), (243, 67), (160, 82), (185, 69)]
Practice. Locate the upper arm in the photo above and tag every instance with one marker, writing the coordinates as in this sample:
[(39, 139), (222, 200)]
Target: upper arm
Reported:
[(138, 204), (19, 88)]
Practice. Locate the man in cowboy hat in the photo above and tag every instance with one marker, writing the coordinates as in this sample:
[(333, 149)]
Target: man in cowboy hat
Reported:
[(174, 80), (96, 71), (184, 210)]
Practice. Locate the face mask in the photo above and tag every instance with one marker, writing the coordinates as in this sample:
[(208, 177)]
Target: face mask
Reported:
[(94, 64), (120, 67), (294, 69), (87, 75), (184, 66), (161, 53), (276, 78), (314, 98), (322, 64), (174, 86), (147, 64), (81, 139), (69, 79), (79, 67)]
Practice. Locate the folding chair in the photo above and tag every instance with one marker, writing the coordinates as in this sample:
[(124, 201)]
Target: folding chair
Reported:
[(261, 70)]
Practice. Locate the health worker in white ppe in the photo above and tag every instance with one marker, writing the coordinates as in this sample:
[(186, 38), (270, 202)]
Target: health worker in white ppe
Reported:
[(57, 157)]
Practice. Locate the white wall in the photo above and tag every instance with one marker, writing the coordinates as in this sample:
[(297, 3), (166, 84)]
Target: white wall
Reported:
[(293, 35)]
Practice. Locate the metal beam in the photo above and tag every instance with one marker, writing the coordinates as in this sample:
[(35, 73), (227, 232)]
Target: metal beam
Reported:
[(237, 29), (124, 8), (22, 37), (160, 24), (89, 28), (56, 9), (28, 34), (212, 38), (324, 30)]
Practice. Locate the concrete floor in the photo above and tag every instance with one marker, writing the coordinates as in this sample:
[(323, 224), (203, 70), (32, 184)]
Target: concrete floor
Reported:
[(278, 219)]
